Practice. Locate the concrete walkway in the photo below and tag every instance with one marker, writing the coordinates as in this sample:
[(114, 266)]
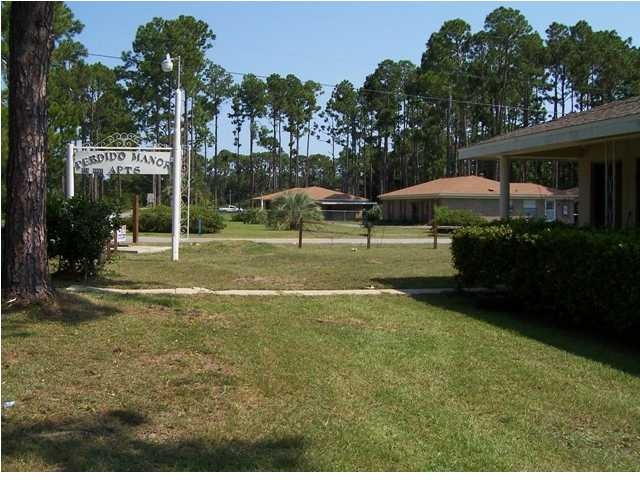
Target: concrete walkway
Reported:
[(294, 241), (270, 293), (141, 249)]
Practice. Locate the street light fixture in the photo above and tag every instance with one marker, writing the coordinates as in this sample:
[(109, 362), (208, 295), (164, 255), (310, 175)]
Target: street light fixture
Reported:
[(167, 66)]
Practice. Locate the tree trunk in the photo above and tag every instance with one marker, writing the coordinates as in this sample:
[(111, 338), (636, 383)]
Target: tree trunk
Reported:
[(215, 160), (297, 159), (25, 265), (251, 166), (307, 163)]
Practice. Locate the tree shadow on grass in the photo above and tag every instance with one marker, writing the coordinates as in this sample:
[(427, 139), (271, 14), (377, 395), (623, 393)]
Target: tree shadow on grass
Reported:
[(620, 355), (66, 308), (435, 281), (113, 441)]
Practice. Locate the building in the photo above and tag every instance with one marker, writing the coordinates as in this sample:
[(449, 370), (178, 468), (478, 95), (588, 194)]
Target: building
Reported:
[(605, 143), (335, 205), (481, 195)]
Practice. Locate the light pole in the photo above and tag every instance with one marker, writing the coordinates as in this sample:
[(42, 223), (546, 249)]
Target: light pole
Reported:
[(167, 66)]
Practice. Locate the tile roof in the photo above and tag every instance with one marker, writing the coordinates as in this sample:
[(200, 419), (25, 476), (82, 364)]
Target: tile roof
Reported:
[(474, 186), (319, 194), (608, 111)]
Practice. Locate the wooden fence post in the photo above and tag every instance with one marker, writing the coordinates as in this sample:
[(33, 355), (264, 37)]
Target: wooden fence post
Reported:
[(300, 234), (434, 228), (136, 217)]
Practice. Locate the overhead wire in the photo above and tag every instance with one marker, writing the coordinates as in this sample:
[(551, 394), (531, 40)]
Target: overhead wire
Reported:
[(428, 98)]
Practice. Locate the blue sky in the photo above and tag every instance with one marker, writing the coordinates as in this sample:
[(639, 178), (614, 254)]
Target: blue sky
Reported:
[(325, 42)]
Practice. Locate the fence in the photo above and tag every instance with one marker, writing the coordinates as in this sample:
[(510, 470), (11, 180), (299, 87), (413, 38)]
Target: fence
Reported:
[(341, 230)]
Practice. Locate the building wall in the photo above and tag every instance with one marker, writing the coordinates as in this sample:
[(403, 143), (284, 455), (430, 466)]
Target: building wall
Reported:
[(421, 211), (627, 152), (569, 216)]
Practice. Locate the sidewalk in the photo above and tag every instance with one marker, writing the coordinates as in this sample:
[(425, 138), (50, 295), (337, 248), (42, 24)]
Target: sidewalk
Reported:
[(158, 239), (270, 293)]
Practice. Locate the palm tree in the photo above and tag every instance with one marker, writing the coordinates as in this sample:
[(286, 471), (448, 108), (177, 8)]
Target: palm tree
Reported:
[(288, 210)]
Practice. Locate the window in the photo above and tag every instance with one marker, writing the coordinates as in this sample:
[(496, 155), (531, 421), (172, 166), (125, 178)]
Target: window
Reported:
[(529, 208)]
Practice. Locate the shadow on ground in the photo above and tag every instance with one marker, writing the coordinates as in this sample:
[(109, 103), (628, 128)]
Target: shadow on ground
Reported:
[(442, 281), (112, 442), (67, 309), (623, 356)]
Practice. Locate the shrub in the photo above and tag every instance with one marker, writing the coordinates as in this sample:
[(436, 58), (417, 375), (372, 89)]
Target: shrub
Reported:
[(155, 219), (372, 216), (583, 277), (462, 218), (158, 219), (287, 210), (252, 216), (78, 231), (204, 219)]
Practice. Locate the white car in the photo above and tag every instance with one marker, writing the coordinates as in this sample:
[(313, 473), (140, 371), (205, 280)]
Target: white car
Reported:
[(230, 209)]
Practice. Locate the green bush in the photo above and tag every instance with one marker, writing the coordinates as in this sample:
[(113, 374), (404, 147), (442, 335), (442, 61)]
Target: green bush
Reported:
[(204, 219), (287, 210), (78, 231), (457, 218), (154, 219), (158, 219), (583, 277), (372, 216), (252, 216)]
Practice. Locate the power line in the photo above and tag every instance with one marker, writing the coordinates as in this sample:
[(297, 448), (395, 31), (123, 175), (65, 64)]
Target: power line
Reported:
[(427, 98), (104, 56)]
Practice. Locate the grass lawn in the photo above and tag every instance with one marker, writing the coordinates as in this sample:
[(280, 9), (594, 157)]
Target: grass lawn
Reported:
[(107, 382), (232, 265)]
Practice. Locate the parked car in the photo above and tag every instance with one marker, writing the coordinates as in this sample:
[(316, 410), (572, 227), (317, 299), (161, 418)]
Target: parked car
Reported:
[(230, 209)]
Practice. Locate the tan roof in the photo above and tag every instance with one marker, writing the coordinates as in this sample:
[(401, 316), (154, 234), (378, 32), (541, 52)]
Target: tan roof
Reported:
[(319, 194), (473, 186), (608, 111)]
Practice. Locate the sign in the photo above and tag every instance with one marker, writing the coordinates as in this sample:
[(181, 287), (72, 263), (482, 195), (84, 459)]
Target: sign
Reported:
[(120, 161), (122, 234)]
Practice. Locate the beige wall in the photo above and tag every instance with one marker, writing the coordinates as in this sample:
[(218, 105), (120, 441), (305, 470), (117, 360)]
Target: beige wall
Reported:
[(627, 153), (401, 210)]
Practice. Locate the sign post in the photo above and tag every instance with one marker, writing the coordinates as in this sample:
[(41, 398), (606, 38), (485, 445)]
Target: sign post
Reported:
[(136, 217), (176, 200)]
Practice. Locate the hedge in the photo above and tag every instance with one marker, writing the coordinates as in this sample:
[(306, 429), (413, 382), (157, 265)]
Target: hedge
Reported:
[(158, 219), (463, 218), (583, 277)]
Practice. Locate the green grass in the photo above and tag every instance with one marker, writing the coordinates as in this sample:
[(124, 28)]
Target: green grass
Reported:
[(375, 383), (232, 265)]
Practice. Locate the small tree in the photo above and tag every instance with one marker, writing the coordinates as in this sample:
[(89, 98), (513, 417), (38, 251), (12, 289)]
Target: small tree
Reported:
[(372, 216), (288, 210)]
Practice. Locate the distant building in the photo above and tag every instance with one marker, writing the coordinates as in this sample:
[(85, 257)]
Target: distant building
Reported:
[(335, 205), (480, 195)]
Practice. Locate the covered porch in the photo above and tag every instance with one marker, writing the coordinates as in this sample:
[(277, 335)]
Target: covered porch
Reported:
[(605, 144)]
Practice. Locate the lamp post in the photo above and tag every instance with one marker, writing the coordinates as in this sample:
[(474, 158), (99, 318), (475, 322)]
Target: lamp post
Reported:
[(167, 66)]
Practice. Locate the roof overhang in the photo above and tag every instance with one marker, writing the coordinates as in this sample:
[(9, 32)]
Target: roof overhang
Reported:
[(477, 196), (345, 202), (566, 137)]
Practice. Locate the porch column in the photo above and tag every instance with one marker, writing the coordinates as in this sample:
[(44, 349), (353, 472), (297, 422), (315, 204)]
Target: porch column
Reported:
[(262, 204), (505, 178)]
